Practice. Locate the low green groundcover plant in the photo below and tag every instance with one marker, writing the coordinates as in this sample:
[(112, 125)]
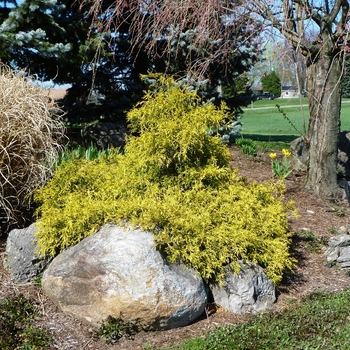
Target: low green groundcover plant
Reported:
[(247, 146), (319, 322), (173, 179), (16, 331), (113, 329)]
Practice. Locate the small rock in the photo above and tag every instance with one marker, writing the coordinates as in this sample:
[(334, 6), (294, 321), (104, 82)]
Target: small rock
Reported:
[(344, 265), (344, 254), (250, 290), (332, 253), (20, 258), (343, 230), (339, 241)]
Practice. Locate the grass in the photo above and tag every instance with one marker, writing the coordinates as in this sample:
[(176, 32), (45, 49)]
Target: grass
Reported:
[(252, 147), (262, 121), (263, 146), (320, 321)]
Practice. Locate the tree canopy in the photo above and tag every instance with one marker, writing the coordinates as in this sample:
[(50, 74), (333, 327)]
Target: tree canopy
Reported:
[(316, 29), (54, 41), (49, 38), (66, 41), (5, 10), (271, 83)]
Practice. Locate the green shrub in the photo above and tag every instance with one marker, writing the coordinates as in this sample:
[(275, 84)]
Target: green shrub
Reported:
[(16, 332), (172, 179), (29, 141), (172, 122)]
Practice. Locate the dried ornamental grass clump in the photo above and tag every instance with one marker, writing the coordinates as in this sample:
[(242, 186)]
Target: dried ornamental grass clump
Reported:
[(30, 134)]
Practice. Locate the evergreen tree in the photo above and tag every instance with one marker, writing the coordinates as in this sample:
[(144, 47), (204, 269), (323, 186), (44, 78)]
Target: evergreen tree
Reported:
[(4, 13), (54, 40), (271, 83), (47, 37), (218, 80), (59, 40)]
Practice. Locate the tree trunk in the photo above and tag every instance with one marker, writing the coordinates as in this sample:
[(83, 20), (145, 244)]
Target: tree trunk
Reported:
[(324, 91)]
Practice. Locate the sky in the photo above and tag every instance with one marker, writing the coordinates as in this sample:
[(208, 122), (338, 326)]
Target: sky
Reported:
[(9, 5)]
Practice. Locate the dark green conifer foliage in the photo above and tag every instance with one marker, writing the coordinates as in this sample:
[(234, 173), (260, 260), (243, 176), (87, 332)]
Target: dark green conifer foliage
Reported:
[(47, 37), (58, 40), (271, 83), (53, 40), (4, 13)]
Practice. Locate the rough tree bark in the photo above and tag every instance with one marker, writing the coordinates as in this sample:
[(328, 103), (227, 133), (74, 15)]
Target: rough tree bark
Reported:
[(324, 91), (319, 30)]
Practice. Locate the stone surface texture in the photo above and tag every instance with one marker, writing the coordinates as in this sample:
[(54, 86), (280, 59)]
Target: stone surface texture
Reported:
[(117, 272), (20, 258), (249, 291), (338, 252)]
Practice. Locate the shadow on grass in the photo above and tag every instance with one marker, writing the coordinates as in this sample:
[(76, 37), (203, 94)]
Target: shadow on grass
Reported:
[(270, 138)]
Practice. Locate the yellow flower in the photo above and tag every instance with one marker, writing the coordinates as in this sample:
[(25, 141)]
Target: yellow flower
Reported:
[(273, 155), (286, 153)]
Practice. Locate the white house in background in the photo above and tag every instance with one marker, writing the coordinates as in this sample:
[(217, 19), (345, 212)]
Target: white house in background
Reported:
[(290, 92)]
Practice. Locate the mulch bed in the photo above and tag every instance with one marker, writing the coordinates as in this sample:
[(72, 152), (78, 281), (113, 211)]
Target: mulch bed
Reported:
[(316, 215)]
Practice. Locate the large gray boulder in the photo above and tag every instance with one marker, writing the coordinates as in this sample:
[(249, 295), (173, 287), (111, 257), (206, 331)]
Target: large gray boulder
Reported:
[(118, 272), (249, 291), (20, 257)]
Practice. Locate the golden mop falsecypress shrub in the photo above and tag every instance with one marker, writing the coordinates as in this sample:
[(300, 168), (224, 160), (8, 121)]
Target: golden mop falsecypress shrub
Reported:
[(173, 124), (173, 179)]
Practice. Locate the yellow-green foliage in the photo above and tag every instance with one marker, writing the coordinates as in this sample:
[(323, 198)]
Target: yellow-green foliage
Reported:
[(174, 180), (173, 122)]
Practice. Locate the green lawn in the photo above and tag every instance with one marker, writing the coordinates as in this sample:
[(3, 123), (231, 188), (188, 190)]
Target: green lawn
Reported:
[(263, 121), (321, 321)]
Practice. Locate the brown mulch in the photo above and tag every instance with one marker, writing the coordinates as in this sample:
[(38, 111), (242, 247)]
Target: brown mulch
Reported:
[(316, 215)]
